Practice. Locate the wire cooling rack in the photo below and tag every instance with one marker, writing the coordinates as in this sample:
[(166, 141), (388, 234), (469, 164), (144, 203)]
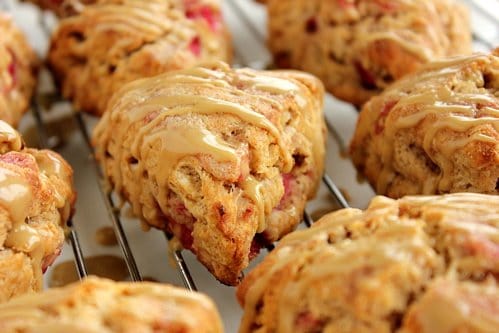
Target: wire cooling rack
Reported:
[(146, 254)]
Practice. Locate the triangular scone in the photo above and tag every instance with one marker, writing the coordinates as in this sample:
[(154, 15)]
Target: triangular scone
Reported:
[(224, 159), (112, 42)]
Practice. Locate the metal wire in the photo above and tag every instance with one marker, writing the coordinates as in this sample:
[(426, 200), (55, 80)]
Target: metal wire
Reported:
[(307, 219), (72, 235), (81, 269), (112, 210), (335, 191), (185, 274)]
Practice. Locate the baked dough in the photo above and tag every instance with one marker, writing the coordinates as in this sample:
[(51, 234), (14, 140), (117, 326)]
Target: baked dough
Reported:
[(417, 264), (18, 64), (97, 305), (62, 8), (436, 131), (112, 42), (357, 48), (223, 159), (36, 201)]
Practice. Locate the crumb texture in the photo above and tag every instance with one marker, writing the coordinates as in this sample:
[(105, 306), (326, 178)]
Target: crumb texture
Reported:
[(417, 264), (223, 159), (36, 201), (98, 305), (112, 42), (436, 131), (18, 64), (359, 47)]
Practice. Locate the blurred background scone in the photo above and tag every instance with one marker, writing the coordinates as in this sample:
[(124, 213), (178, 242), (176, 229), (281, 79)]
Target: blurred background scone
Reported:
[(63, 8), (102, 306), (18, 65), (436, 131), (36, 201), (417, 264), (223, 159), (357, 48), (112, 42)]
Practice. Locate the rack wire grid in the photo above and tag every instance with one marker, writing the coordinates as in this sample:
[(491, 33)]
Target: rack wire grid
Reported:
[(56, 125)]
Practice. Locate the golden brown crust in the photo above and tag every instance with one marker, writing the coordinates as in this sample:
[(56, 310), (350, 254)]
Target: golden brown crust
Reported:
[(223, 159), (436, 131), (98, 305), (451, 306), (63, 8), (114, 42), (358, 47), (36, 201), (376, 270), (18, 64)]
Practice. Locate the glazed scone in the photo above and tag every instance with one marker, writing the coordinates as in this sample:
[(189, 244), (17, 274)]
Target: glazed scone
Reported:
[(357, 48), (417, 264), (18, 64), (436, 131), (62, 8), (455, 306), (36, 201), (97, 305), (113, 42), (222, 159)]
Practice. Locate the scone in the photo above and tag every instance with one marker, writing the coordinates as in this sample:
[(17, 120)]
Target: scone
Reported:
[(417, 264), (357, 48), (436, 131), (63, 8), (222, 159), (113, 42), (36, 201), (17, 71), (97, 305)]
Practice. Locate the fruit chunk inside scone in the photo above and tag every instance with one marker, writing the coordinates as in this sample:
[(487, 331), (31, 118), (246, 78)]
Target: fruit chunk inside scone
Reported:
[(417, 264), (36, 200), (222, 159)]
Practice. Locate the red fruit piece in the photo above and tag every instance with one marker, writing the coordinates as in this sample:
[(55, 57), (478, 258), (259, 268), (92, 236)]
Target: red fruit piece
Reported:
[(481, 246), (386, 5), (379, 126), (367, 79), (287, 182), (345, 4), (49, 260), (256, 246), (182, 232), (23, 160), (12, 70), (195, 46), (195, 11), (306, 322), (311, 25)]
